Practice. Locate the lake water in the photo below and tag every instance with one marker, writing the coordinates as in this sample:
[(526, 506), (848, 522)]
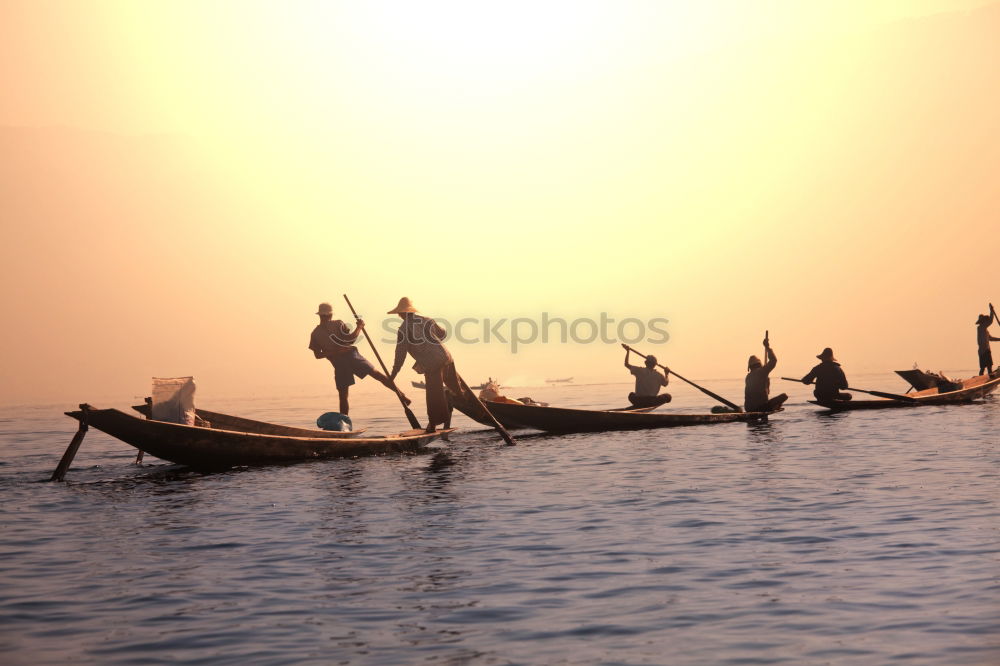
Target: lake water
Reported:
[(859, 538)]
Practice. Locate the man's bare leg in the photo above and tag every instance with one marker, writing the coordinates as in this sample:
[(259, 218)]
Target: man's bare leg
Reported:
[(456, 386), (344, 405), (382, 379)]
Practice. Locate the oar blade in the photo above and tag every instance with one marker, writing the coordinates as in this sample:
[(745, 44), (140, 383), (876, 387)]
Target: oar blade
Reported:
[(889, 396)]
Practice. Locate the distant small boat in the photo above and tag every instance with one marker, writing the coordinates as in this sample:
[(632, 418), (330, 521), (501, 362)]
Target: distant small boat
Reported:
[(565, 380), (477, 387)]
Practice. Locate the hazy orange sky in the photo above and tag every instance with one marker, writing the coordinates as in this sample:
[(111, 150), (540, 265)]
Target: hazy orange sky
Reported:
[(182, 182)]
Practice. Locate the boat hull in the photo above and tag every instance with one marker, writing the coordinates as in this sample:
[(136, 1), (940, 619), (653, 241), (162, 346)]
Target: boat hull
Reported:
[(567, 420), (220, 421), (210, 448), (974, 388)]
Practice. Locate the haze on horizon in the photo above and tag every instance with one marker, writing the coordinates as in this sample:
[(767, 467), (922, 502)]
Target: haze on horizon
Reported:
[(181, 183)]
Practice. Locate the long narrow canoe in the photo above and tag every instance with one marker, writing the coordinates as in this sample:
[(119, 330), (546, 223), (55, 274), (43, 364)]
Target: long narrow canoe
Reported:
[(220, 421), (565, 420), (210, 448), (974, 388)]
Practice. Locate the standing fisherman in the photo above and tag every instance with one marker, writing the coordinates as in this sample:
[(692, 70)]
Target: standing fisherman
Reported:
[(983, 338), (422, 338), (758, 383), (333, 340)]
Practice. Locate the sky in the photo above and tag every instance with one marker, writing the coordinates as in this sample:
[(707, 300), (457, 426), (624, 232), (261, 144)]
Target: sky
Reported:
[(181, 183)]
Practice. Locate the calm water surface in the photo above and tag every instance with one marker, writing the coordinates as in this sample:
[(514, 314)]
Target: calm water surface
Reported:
[(861, 538)]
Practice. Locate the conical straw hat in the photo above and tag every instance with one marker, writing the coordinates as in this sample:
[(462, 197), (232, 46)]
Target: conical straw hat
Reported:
[(405, 305)]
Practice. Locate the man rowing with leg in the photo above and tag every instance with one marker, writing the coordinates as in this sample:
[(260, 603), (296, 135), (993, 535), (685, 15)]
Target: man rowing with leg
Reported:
[(333, 340)]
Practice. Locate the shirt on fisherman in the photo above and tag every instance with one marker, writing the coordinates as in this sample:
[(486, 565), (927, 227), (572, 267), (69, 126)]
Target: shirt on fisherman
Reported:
[(331, 339), (830, 379), (983, 336), (647, 380), (420, 337), (758, 384)]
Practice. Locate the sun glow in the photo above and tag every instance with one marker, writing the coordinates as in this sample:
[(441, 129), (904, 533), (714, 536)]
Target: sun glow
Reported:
[(643, 158), (486, 46)]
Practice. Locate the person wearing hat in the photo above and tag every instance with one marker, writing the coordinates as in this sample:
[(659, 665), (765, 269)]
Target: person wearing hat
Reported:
[(421, 338), (983, 338), (829, 377), (647, 383), (758, 383), (333, 340)]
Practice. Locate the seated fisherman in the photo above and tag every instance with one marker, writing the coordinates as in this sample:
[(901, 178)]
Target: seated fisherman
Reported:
[(829, 378), (647, 383), (758, 383)]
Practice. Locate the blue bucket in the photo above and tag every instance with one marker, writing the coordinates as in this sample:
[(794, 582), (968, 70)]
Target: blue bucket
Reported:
[(334, 421)]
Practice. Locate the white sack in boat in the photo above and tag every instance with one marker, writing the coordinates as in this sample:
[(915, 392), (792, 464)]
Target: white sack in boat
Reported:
[(173, 400)]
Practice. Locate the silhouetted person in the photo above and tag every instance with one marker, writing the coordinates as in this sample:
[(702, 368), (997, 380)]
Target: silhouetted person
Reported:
[(647, 383), (983, 338), (829, 377), (422, 338), (333, 340), (758, 383)]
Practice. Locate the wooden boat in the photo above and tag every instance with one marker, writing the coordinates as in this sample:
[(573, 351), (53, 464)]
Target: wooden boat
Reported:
[(211, 448), (921, 380), (564, 380), (220, 421), (565, 420), (972, 389)]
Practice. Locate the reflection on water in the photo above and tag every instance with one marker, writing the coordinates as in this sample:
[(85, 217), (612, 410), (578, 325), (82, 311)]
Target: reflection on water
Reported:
[(812, 538)]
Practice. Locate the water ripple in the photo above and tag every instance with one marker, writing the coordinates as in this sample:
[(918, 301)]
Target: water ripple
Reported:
[(847, 539)]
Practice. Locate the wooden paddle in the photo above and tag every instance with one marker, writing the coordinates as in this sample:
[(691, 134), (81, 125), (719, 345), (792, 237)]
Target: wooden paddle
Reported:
[(414, 423), (703, 390), (496, 424), (883, 394), (993, 312), (878, 394)]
